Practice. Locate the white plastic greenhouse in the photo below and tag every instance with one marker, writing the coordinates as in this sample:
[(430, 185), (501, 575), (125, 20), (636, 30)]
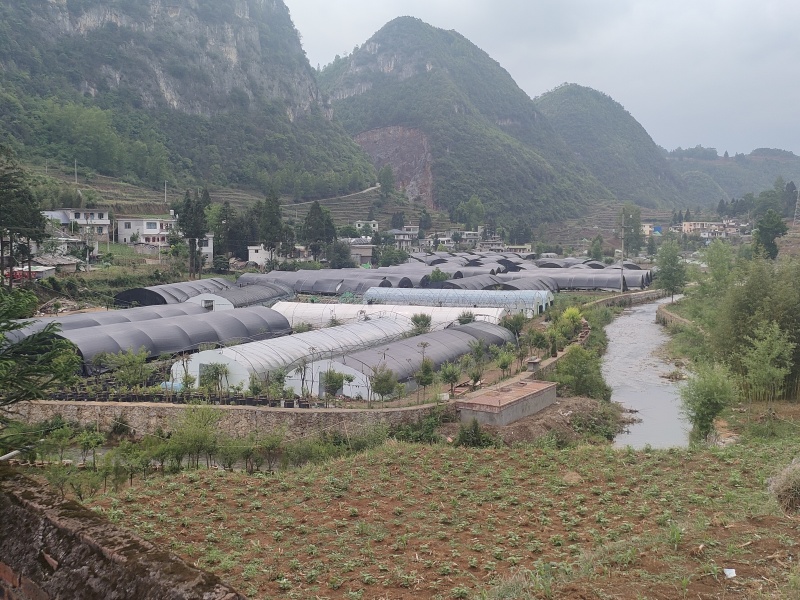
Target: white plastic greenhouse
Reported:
[(260, 359), (402, 357), (530, 302), (324, 315)]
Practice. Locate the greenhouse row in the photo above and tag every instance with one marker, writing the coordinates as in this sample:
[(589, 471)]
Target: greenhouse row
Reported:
[(403, 358), (170, 293), (263, 294), (324, 315), (109, 317), (177, 334), (528, 302), (261, 359)]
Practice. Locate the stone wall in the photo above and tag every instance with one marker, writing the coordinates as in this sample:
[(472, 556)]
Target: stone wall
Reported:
[(145, 418), (628, 299), (665, 317), (51, 548)]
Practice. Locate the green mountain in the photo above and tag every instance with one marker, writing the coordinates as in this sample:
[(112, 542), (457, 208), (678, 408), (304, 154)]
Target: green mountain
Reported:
[(453, 123), (740, 174), (613, 146), (190, 91)]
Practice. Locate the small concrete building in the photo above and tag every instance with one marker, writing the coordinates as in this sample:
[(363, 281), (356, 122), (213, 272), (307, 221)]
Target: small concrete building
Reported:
[(509, 403)]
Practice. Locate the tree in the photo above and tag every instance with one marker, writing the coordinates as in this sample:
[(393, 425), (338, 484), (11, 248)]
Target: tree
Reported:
[(768, 228), (349, 231), (596, 249), (425, 374), (671, 270), (504, 362), (705, 395), (514, 323), (631, 227), (472, 213), (393, 256), (422, 323), (383, 381), (386, 181), (221, 221), (270, 223), (33, 365), (425, 220), (651, 246), (318, 229), (719, 258), (398, 220), (578, 373), (767, 360), (194, 434), (191, 219), (438, 275), (333, 382), (450, 373), (20, 217), (130, 367), (339, 256)]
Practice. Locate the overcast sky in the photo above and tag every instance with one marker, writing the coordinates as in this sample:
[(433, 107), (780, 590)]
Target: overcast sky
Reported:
[(720, 73)]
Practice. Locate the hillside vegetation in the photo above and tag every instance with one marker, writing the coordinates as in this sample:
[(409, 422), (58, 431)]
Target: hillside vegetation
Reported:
[(206, 91), (740, 174), (486, 136), (613, 146)]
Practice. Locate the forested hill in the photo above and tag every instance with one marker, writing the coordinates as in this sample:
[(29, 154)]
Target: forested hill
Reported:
[(209, 91), (613, 146), (480, 132), (739, 174)]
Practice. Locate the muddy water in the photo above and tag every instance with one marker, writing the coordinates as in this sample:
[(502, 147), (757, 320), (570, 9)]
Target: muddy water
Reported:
[(633, 370)]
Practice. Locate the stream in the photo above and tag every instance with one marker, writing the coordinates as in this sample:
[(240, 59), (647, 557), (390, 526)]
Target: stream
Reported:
[(633, 370)]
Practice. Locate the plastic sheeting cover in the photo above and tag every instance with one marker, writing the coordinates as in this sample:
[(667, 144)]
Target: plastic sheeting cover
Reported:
[(178, 334), (259, 359), (170, 293)]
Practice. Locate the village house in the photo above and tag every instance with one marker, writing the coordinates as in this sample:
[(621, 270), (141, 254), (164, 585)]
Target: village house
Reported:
[(93, 225)]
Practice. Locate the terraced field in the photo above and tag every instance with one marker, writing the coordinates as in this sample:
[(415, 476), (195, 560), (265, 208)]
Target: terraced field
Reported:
[(124, 198)]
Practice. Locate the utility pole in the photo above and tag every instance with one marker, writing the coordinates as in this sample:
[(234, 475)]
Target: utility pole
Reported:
[(76, 171), (622, 260)]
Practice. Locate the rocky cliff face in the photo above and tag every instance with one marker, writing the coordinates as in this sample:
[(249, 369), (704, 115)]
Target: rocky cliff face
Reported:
[(408, 152), (195, 56)]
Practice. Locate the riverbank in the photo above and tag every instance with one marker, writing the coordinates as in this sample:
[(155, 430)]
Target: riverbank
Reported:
[(634, 368)]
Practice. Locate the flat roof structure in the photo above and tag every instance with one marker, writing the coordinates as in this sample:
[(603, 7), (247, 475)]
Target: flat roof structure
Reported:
[(508, 403)]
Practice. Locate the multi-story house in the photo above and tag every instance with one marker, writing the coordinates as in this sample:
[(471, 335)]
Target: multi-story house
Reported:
[(155, 230), (92, 224)]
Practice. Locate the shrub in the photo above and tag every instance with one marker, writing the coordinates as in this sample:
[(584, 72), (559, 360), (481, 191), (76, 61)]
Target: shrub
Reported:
[(466, 316), (578, 374), (705, 395), (786, 488), (472, 435)]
